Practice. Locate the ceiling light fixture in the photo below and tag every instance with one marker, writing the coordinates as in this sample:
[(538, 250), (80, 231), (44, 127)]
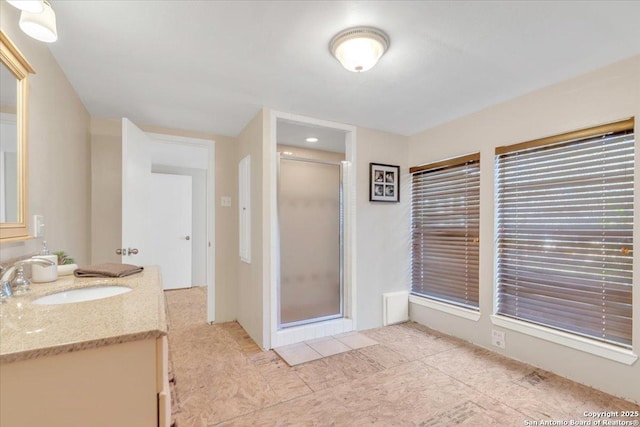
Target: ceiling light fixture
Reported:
[(33, 6), (312, 139), (41, 26), (359, 48)]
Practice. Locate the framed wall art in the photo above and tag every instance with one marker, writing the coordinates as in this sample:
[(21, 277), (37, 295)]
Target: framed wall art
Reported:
[(384, 183)]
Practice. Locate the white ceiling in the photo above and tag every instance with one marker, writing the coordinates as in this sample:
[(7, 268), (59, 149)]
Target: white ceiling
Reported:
[(209, 66)]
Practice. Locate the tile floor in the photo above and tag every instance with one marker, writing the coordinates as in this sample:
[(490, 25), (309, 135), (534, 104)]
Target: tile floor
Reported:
[(299, 353), (414, 377)]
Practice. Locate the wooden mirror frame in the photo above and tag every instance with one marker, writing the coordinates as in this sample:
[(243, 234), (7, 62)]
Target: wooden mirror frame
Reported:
[(18, 65)]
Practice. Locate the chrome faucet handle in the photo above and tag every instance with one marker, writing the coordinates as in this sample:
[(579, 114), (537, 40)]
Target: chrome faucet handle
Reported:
[(5, 292), (5, 286), (7, 274), (39, 261)]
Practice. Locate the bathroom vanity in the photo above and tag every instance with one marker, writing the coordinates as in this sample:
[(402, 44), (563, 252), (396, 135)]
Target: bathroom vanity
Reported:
[(102, 362)]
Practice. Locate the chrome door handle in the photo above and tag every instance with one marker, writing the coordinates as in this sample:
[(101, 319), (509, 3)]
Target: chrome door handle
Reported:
[(127, 251), (187, 238)]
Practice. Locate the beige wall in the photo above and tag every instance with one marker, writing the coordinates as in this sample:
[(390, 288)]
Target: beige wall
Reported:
[(59, 152), (106, 190), (267, 162), (602, 96), (382, 228), (106, 203), (226, 228), (251, 305)]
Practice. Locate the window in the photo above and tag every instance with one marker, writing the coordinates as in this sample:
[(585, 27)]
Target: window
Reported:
[(564, 229), (445, 217)]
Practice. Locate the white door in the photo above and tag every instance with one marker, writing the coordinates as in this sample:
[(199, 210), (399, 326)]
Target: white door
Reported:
[(171, 224), (136, 181)]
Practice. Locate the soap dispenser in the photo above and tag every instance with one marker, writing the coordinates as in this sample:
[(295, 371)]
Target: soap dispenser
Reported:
[(41, 274)]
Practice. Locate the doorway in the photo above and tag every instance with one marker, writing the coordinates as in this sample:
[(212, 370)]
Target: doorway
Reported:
[(146, 153), (194, 158), (329, 279), (192, 237)]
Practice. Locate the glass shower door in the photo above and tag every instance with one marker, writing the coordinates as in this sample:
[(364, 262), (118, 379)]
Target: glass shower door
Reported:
[(310, 226)]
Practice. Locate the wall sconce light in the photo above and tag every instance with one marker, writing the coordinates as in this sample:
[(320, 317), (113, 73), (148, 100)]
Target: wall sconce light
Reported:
[(39, 25), (359, 48), (33, 6)]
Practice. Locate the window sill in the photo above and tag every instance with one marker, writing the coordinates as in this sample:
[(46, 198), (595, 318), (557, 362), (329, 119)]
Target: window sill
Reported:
[(586, 345), (445, 308)]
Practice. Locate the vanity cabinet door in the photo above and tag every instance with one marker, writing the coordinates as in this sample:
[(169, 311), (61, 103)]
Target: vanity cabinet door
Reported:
[(164, 392), (113, 385)]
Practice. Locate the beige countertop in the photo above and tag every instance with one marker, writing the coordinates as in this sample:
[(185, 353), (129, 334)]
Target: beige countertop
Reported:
[(29, 330)]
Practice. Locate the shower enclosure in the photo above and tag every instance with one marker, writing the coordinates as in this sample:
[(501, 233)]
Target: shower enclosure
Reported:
[(310, 225)]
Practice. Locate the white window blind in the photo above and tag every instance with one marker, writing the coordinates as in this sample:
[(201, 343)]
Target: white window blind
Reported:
[(445, 219), (565, 224)]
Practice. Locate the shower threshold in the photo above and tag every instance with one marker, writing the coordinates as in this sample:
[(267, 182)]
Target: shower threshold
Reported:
[(309, 321)]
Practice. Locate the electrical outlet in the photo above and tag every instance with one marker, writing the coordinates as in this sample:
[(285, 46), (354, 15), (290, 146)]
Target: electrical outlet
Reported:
[(225, 201), (497, 338)]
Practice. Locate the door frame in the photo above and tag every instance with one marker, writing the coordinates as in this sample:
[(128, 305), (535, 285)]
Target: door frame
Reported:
[(210, 255), (280, 337)]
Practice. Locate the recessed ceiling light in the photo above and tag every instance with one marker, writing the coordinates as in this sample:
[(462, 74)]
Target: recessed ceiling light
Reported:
[(312, 139), (359, 48)]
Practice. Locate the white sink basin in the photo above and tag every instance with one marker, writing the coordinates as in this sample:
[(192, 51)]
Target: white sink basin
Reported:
[(82, 294)]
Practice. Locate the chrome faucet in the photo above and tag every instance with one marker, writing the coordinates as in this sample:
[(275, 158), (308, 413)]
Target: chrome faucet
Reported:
[(7, 274)]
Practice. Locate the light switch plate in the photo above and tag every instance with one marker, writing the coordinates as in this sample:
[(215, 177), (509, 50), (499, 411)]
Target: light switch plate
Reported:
[(225, 201), (38, 225)]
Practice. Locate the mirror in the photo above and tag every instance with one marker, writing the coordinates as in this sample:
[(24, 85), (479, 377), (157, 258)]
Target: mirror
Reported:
[(14, 81), (8, 147)]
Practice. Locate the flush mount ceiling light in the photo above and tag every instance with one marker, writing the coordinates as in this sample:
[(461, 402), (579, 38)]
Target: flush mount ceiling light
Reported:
[(33, 6), (359, 48), (312, 139), (41, 26)]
